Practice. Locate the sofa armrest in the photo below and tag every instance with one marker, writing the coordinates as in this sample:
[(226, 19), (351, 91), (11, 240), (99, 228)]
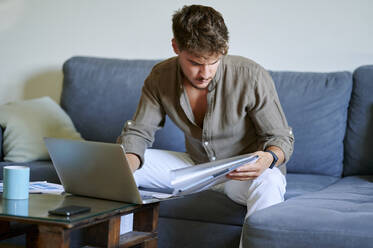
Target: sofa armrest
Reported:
[(1, 144)]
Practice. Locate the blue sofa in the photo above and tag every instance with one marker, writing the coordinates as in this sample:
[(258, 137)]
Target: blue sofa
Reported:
[(329, 199)]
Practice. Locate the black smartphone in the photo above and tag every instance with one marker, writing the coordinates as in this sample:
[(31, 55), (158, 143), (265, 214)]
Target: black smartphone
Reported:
[(69, 210)]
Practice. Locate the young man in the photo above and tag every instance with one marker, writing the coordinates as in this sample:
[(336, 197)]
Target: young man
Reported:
[(225, 105)]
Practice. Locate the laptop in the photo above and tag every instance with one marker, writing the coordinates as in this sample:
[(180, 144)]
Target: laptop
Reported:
[(100, 170)]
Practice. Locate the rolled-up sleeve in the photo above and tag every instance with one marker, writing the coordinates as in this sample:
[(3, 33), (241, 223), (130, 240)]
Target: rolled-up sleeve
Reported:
[(268, 117), (138, 134)]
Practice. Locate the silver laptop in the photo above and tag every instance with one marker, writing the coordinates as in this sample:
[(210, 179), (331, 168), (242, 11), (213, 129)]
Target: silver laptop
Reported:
[(97, 169)]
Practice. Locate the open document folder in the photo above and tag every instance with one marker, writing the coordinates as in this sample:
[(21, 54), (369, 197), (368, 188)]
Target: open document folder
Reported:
[(203, 176), (200, 177)]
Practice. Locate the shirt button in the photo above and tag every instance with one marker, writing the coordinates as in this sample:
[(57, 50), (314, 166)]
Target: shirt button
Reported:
[(129, 123), (290, 132), (213, 158), (206, 143)]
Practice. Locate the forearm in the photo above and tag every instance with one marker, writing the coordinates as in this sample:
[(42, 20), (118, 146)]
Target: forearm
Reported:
[(133, 161), (279, 153)]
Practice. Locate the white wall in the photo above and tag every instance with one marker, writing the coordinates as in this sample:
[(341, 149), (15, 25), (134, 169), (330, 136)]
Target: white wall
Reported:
[(37, 36)]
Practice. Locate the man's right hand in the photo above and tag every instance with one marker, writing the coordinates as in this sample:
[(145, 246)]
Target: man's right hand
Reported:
[(133, 160)]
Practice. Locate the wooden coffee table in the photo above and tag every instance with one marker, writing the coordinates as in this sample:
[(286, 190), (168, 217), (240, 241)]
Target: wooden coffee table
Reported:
[(99, 228)]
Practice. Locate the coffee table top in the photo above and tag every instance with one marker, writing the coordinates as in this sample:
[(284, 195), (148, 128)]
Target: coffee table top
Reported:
[(35, 209)]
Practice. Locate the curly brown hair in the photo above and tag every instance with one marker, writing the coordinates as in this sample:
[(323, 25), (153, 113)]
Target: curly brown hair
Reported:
[(200, 30)]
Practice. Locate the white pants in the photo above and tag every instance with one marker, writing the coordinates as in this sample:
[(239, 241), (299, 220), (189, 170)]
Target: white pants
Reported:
[(266, 190)]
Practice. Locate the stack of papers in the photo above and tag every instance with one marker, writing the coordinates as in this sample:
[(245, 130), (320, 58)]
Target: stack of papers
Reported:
[(42, 187)]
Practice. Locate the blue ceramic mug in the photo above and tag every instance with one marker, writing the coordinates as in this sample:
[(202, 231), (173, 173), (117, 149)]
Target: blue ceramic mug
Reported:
[(16, 182)]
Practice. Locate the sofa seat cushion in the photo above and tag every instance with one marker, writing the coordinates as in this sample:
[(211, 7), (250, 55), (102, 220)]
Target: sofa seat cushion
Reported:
[(207, 206), (299, 184), (39, 170), (340, 215), (198, 206)]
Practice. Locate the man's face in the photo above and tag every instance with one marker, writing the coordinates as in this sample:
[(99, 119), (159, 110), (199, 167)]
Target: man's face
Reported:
[(199, 70)]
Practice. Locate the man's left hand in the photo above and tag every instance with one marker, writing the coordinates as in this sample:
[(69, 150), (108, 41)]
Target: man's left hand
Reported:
[(252, 171)]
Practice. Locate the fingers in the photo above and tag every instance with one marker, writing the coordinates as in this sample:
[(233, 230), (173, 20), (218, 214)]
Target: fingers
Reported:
[(248, 168), (248, 171), (243, 175), (241, 178)]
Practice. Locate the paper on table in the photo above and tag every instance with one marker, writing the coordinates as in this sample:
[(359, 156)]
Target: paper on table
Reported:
[(45, 187), (42, 187)]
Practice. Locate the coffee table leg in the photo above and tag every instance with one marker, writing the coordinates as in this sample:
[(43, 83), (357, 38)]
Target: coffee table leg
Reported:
[(146, 220), (48, 237), (106, 234)]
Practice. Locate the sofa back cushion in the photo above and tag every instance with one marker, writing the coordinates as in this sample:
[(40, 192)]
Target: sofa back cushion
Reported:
[(101, 94), (315, 105), (359, 136)]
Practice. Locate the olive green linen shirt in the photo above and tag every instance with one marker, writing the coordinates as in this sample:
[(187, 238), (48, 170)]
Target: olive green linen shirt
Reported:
[(244, 114)]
